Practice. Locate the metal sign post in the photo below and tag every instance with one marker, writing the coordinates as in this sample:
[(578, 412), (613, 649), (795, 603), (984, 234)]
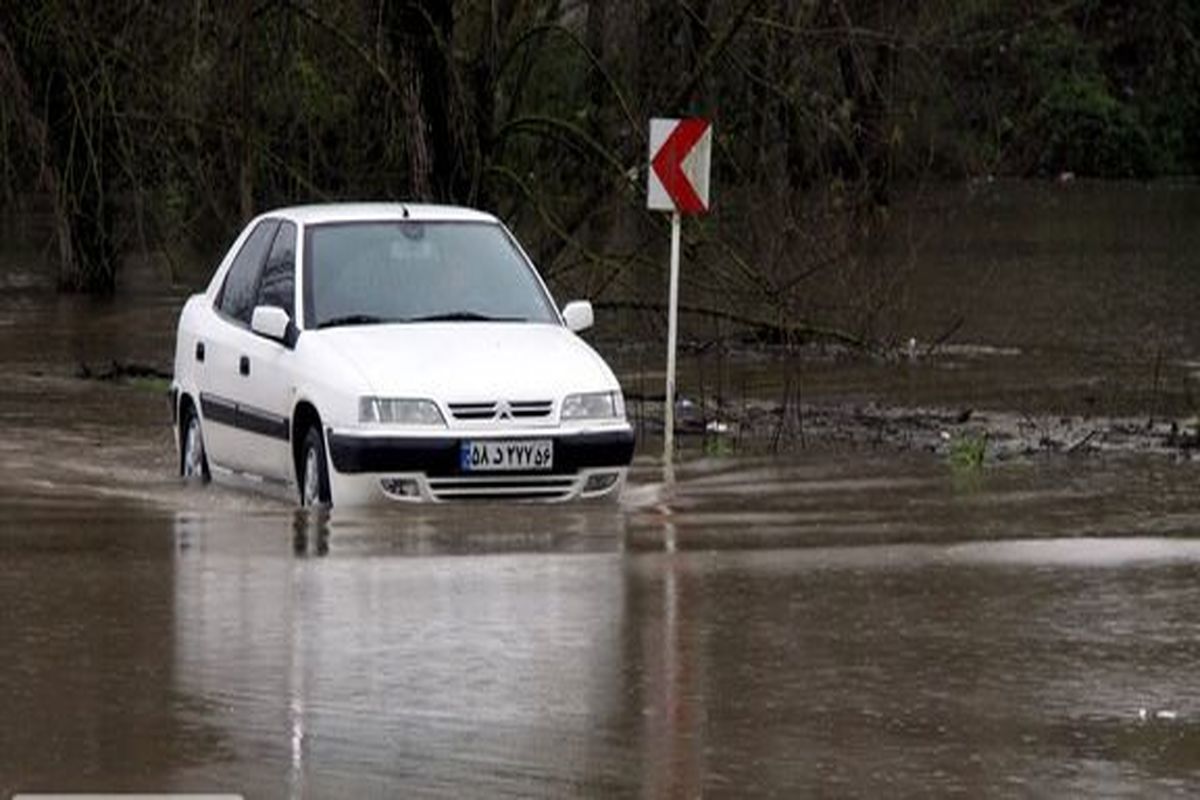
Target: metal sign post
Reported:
[(672, 338), (680, 157)]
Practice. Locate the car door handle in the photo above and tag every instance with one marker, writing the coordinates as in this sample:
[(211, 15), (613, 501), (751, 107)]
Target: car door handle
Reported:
[(244, 365), (200, 352)]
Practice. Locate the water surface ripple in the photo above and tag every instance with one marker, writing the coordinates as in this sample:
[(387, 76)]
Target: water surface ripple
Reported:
[(854, 626)]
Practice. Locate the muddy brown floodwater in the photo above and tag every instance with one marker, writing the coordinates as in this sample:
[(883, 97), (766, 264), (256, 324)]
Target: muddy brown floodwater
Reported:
[(868, 622)]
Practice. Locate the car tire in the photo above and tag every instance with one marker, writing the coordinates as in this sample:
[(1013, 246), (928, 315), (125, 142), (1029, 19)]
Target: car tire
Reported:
[(313, 471), (193, 461)]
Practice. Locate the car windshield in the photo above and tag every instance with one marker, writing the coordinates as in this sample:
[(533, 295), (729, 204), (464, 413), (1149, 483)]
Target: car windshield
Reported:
[(361, 273)]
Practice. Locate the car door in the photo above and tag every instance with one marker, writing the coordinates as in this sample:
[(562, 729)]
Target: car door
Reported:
[(226, 388), (266, 394)]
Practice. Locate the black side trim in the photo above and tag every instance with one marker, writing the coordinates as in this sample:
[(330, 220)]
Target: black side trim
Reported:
[(439, 457), (263, 423), (226, 412), (217, 409)]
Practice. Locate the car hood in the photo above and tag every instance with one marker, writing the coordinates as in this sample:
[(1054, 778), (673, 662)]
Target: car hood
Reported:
[(471, 361)]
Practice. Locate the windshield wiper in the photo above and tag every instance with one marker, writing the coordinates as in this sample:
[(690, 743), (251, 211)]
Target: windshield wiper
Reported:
[(464, 316), (352, 319)]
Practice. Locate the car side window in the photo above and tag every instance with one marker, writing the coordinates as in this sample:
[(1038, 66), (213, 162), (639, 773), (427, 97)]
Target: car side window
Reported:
[(240, 289), (278, 284)]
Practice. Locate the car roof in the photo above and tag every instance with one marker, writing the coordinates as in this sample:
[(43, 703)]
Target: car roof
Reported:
[(364, 212)]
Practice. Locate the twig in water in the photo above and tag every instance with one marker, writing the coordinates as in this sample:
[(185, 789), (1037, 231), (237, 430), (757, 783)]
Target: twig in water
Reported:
[(1090, 435)]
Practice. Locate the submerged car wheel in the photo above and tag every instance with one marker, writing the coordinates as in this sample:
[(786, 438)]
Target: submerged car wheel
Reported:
[(193, 463), (314, 475)]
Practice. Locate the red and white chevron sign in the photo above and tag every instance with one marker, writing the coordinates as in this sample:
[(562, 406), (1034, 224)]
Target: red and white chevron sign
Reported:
[(680, 157)]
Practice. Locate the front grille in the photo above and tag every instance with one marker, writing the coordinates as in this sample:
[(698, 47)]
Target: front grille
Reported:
[(501, 410), (531, 487)]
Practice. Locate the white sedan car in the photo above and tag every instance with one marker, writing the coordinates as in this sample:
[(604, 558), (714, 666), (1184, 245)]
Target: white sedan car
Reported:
[(359, 353)]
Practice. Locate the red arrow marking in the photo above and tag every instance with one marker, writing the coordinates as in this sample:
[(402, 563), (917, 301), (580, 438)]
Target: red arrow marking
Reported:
[(668, 164)]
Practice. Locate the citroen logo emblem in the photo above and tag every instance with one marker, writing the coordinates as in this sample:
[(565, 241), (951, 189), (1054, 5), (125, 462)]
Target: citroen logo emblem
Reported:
[(503, 410)]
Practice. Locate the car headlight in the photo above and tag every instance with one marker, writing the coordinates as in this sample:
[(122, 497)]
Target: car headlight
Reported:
[(399, 411), (594, 405)]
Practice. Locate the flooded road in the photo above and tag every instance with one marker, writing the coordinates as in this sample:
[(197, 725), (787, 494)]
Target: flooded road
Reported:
[(767, 628), (862, 623)]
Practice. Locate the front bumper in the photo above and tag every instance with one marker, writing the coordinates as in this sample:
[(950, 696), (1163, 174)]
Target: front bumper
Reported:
[(368, 467)]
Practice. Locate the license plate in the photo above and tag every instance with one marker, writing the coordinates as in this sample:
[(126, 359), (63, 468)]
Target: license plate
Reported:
[(507, 455)]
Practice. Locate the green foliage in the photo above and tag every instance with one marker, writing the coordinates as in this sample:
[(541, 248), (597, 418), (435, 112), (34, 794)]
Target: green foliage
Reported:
[(718, 446), (1098, 87), (1070, 119), (150, 384), (967, 451), (1082, 128)]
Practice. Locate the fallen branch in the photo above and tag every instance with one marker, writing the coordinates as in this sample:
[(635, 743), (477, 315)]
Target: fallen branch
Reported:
[(1077, 445), (782, 331), (118, 371)]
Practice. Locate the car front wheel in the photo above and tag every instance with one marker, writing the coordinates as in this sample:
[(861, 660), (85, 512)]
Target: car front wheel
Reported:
[(314, 473)]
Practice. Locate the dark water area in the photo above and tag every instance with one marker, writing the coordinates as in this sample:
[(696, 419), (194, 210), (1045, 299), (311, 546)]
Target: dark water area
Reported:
[(858, 623), (1073, 298), (1086, 266), (861, 629), (1086, 289)]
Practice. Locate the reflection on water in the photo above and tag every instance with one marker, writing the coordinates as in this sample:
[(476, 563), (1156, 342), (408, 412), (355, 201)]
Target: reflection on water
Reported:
[(87, 622), (762, 629)]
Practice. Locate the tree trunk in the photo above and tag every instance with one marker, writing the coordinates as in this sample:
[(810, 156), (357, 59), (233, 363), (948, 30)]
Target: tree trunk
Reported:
[(420, 33), (420, 160), (13, 83), (74, 169), (865, 71), (246, 117)]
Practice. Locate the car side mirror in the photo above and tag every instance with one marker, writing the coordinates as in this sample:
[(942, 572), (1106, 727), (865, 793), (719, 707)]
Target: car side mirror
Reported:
[(578, 315), (272, 322)]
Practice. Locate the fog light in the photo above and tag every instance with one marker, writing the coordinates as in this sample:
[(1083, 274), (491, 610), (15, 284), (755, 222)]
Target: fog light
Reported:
[(401, 487), (599, 483)]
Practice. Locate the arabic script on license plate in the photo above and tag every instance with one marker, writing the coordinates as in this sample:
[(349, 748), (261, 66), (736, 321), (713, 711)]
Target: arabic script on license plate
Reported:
[(506, 455)]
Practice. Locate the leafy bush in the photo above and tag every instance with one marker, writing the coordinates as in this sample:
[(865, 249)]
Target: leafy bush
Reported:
[(1082, 128)]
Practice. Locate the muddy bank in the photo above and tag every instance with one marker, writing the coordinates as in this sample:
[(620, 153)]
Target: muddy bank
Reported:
[(952, 433), (978, 403), (998, 434)]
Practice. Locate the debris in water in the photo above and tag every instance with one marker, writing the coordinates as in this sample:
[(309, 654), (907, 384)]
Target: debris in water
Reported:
[(119, 370), (1164, 714)]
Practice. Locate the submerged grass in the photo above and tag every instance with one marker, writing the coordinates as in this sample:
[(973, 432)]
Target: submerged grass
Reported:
[(968, 451), (149, 384)]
